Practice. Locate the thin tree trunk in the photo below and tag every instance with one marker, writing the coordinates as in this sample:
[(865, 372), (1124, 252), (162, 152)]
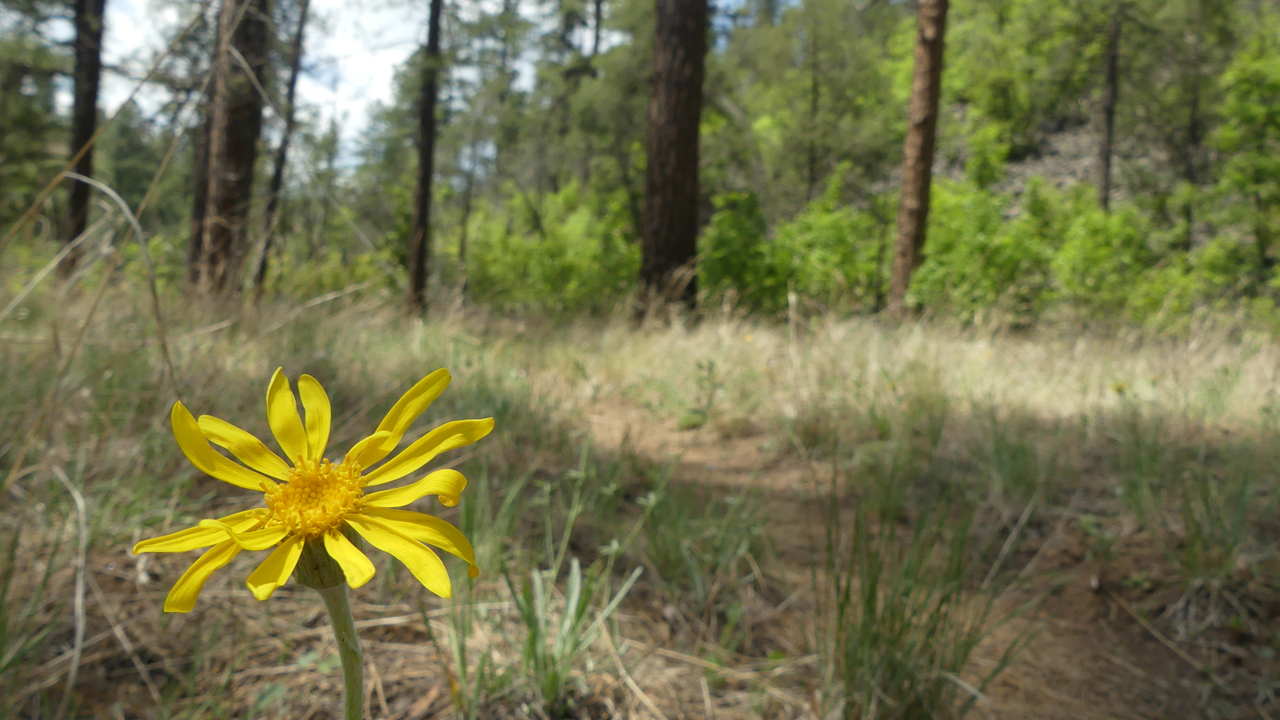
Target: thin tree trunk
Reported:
[(597, 26), (814, 89), (917, 161), (282, 152), (670, 229), (420, 240), (1195, 130), (1110, 95), (84, 115), (463, 283), (221, 211), (1262, 238)]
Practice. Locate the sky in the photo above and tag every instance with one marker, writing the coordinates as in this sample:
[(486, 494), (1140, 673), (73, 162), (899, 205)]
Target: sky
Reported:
[(353, 49), (352, 53)]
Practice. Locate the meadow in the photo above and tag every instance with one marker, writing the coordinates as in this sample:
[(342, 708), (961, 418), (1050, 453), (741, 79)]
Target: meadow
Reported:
[(815, 518)]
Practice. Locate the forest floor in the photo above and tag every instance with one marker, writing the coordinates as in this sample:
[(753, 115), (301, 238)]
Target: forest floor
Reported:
[(1089, 657), (1123, 496)]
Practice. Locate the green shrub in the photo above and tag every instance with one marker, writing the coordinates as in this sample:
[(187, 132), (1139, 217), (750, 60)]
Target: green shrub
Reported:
[(977, 258), (830, 253), (565, 252), (1102, 257)]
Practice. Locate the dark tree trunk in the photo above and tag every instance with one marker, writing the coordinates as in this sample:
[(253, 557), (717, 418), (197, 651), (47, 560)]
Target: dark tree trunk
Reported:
[(84, 114), (1195, 129), (1110, 95), (814, 96), (467, 194), (597, 25), (670, 228), (420, 239), (221, 210), (282, 152), (917, 161)]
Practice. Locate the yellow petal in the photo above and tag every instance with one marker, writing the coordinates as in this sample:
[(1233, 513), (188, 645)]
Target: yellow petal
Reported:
[(248, 449), (449, 436), (194, 538), (316, 403), (421, 561), (182, 597), (354, 564), (358, 449), (447, 484), (429, 530), (403, 413), (252, 540), (276, 569), (205, 458), (282, 416)]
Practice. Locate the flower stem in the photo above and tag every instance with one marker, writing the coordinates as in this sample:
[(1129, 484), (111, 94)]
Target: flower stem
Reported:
[(344, 631)]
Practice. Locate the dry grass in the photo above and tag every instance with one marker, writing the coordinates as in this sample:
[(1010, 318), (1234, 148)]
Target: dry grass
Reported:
[(1125, 485)]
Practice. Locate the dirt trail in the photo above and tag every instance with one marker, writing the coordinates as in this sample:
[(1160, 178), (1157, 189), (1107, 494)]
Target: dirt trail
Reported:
[(1089, 657)]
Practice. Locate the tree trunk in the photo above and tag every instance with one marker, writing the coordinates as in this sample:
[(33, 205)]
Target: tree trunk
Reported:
[(282, 152), (1195, 130), (814, 96), (597, 25), (670, 229), (234, 118), (420, 239), (467, 193), (1110, 94), (84, 115), (917, 161)]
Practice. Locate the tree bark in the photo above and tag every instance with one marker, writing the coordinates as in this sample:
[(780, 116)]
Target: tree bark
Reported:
[(234, 118), (917, 161), (420, 239), (84, 115), (670, 228), (1195, 129), (1110, 95), (814, 96), (282, 152), (597, 25)]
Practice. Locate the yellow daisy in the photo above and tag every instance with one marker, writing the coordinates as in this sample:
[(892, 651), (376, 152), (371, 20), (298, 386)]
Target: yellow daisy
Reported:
[(318, 501)]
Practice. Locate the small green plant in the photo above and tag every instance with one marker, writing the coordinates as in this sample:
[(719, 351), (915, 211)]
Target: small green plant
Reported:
[(22, 627), (899, 624), (705, 553), (560, 627), (471, 684), (1101, 542), (709, 387)]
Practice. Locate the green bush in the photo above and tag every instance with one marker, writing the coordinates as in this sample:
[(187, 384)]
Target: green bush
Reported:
[(1101, 258), (978, 257), (830, 253), (565, 252)]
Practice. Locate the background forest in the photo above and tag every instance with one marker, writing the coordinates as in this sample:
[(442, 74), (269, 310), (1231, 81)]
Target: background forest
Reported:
[(848, 359), (540, 159)]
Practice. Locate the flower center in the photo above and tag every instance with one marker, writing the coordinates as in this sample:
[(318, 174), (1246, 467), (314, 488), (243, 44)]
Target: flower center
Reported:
[(316, 497)]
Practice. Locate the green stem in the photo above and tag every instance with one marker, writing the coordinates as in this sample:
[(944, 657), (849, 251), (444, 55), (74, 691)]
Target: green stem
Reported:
[(344, 631)]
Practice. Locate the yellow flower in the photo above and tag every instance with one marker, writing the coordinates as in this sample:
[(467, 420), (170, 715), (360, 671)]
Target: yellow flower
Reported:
[(318, 499)]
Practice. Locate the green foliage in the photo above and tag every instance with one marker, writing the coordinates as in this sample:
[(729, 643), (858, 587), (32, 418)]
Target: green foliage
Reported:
[(1101, 257), (567, 252), (830, 254), (978, 257), (901, 626)]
